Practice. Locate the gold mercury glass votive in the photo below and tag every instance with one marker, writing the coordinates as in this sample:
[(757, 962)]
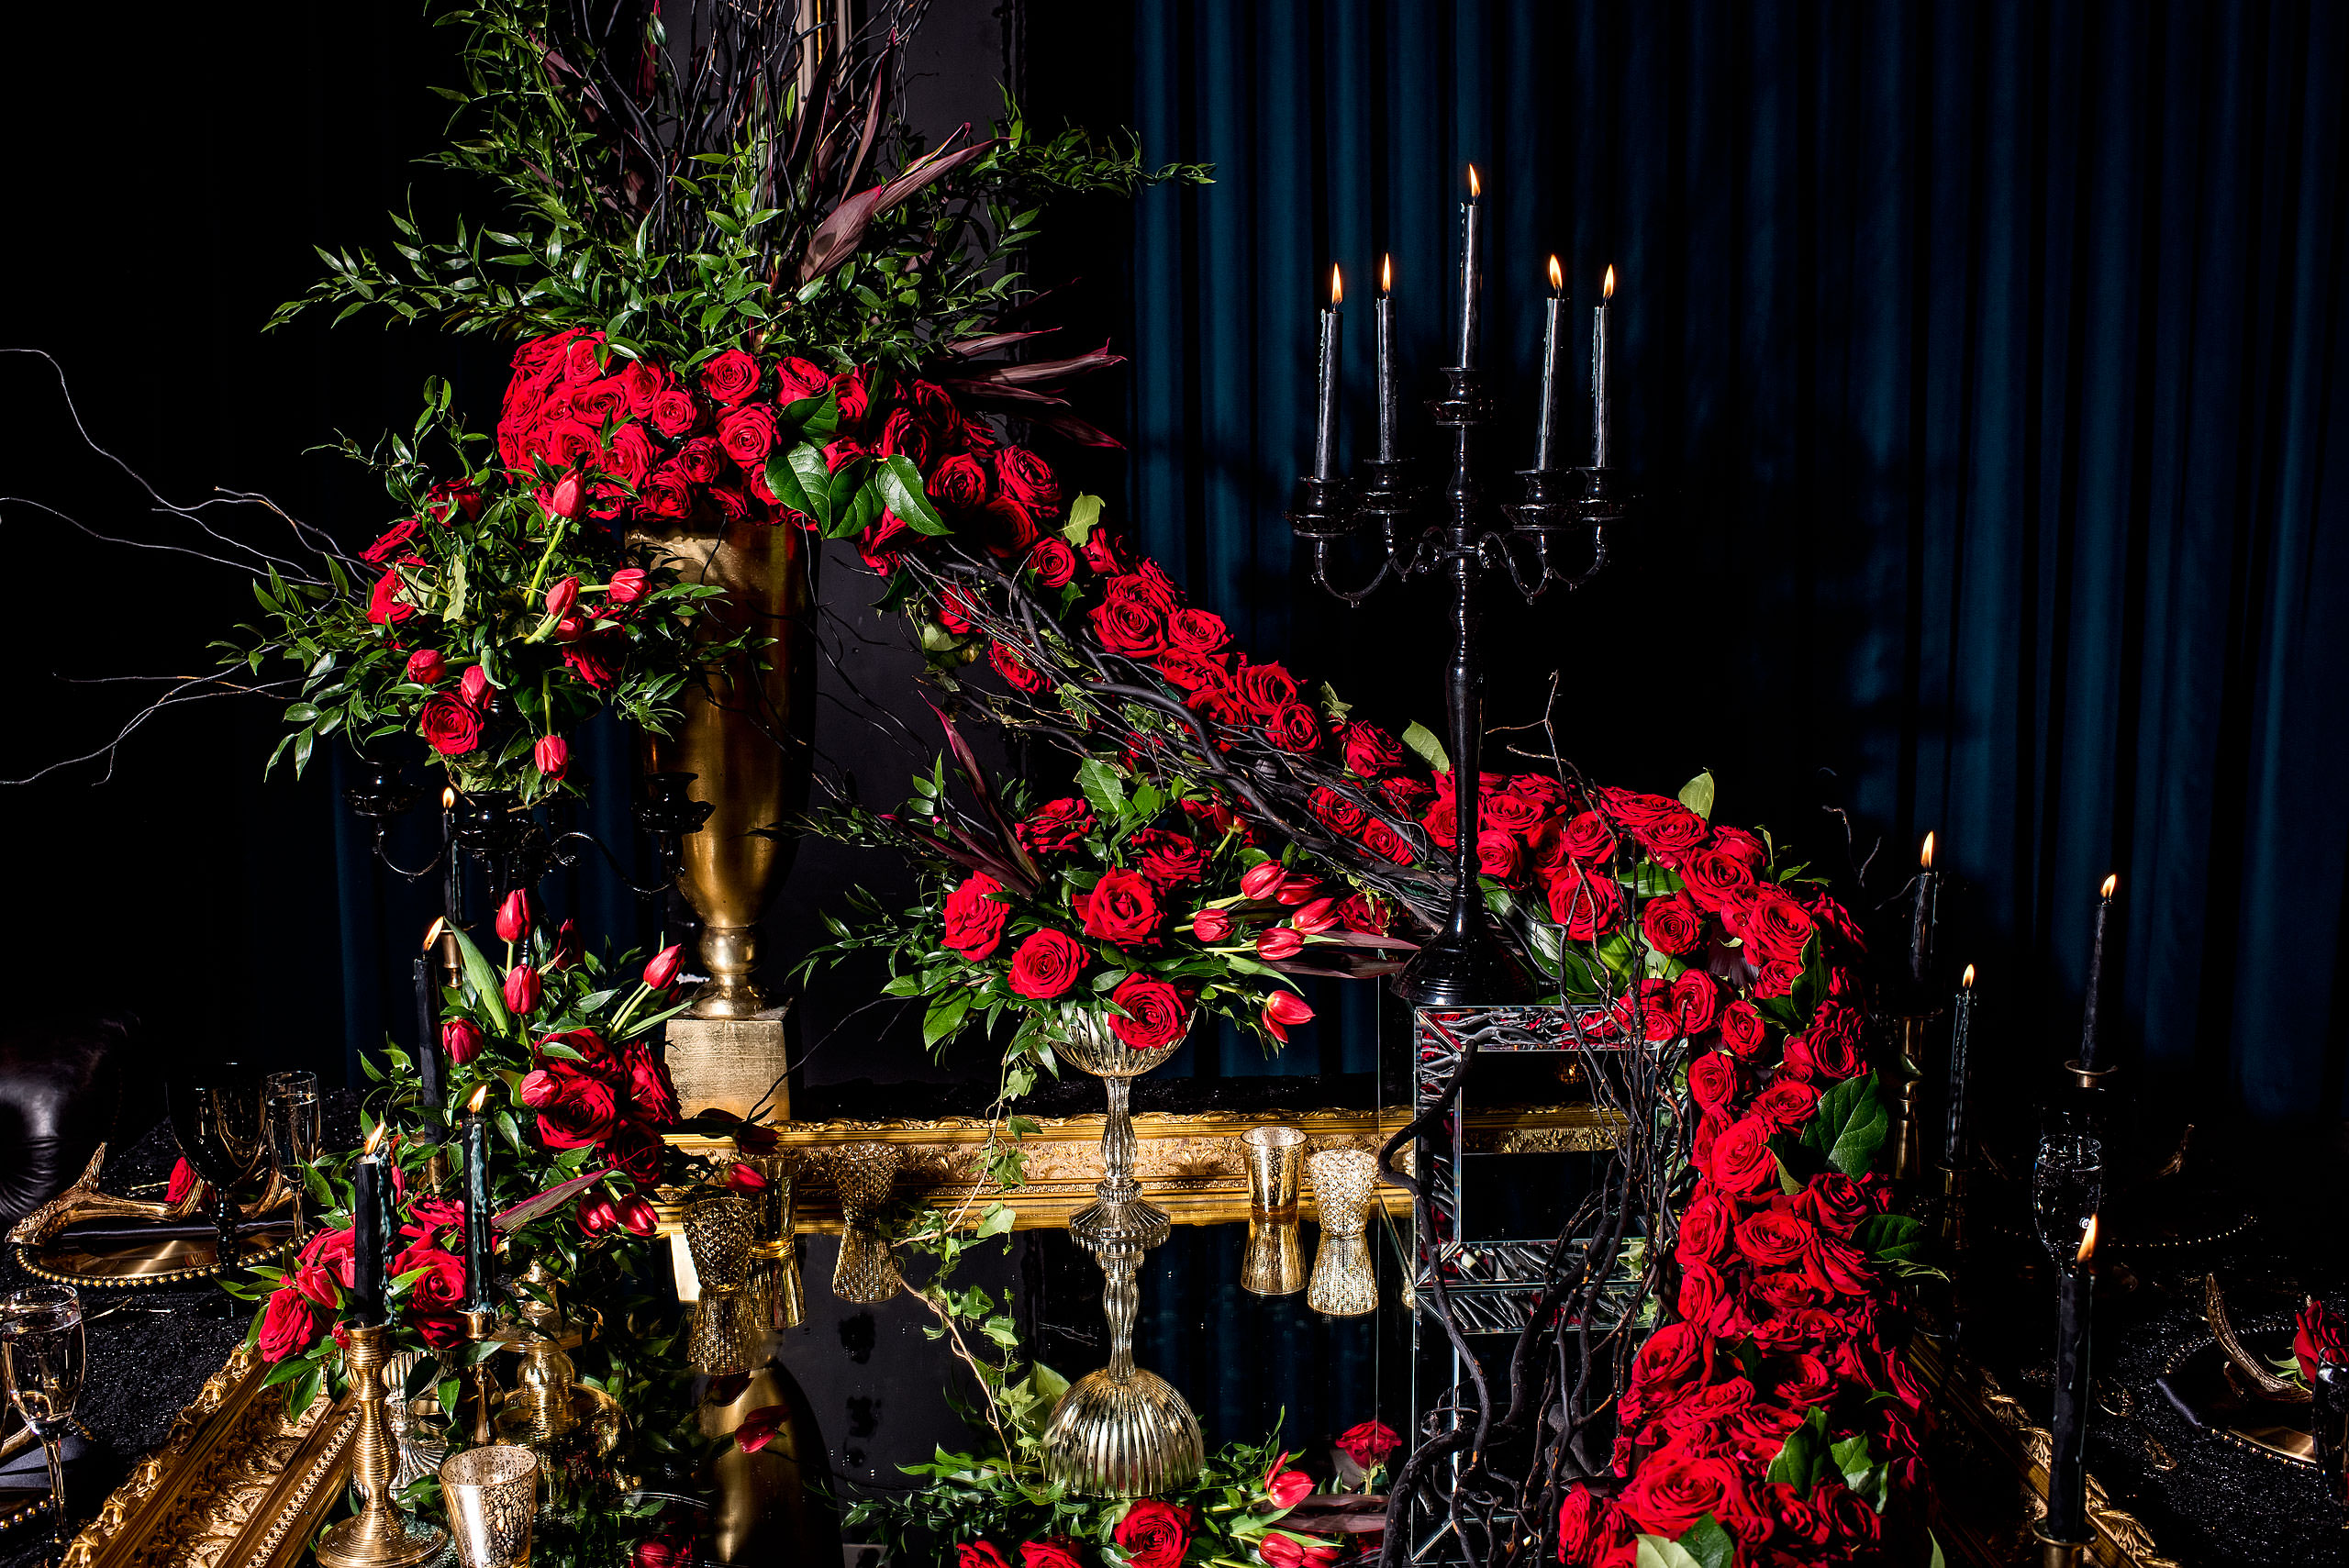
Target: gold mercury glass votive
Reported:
[(1273, 1263), (1345, 1284), (862, 1174), (729, 1332), (785, 1294), (493, 1495)]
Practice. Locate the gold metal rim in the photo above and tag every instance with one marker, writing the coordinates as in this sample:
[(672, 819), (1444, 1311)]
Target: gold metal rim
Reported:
[(275, 1253)]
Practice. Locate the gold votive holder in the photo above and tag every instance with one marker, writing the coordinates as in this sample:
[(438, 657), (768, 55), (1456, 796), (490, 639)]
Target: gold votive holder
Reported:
[(1273, 1263), (1345, 1282), (863, 1173), (729, 1333), (780, 1285), (379, 1535), (492, 1495)]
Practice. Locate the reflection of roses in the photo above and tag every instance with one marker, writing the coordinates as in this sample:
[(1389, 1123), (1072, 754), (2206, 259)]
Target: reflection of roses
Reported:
[(1046, 964), (1155, 1013), (1154, 1534)]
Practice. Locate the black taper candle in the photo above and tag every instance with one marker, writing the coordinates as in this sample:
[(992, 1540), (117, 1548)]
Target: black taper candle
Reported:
[(1553, 353), (1961, 1027), (1602, 417), (1325, 424), (481, 1266), (1472, 266), (428, 1024), (1390, 391), (367, 1185), (1925, 916), (2088, 1042), (2068, 1473)]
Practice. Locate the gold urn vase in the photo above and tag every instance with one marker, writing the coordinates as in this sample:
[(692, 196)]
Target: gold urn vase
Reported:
[(744, 736)]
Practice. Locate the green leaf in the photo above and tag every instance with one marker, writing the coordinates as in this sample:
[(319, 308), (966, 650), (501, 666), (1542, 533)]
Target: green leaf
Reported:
[(900, 484), (1850, 1126), (1084, 517), (1708, 1543), (1656, 1551), (482, 979), (801, 481), (1804, 1455), (1423, 740), (1101, 785), (945, 1015), (1892, 1237), (1696, 794)]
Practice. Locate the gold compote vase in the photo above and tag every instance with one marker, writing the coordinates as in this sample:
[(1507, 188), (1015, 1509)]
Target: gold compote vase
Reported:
[(1121, 1431)]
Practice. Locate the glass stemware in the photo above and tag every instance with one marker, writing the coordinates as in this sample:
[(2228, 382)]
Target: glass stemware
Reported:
[(290, 1104), (42, 1354), (217, 1117), (2067, 1189)]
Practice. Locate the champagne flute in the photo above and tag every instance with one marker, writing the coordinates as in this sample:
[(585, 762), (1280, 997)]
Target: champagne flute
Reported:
[(217, 1119), (290, 1101), (42, 1354)]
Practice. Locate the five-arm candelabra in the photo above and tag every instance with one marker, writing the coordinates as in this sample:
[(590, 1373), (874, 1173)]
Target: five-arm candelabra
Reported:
[(1460, 532)]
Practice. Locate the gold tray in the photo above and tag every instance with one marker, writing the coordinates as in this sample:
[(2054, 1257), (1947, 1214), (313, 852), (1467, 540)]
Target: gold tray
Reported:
[(132, 1263)]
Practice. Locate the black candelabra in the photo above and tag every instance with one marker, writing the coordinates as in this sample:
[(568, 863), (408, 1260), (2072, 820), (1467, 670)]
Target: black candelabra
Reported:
[(1459, 533)]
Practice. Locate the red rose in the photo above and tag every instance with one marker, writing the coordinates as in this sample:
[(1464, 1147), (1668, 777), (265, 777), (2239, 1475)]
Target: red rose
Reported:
[(1693, 999), (958, 484), (1105, 554), (576, 1109), (1705, 1229), (448, 724), (2317, 1339), (1500, 855), (1834, 1202), (651, 1096), (1052, 561), (1169, 859), (1122, 909), (1264, 689), (1154, 1534), (1741, 1028), (333, 1250), (387, 601), (1406, 796), (1055, 826), (1007, 663), (441, 1284), (1741, 1160), (1027, 479), (426, 667), (1060, 1553), (1587, 906), (1515, 813), (1385, 842), (747, 434), (1672, 925), (1712, 1081), (1851, 1519), (1676, 1487), (1715, 879), (1155, 1013), (1771, 1239), (797, 380), (1197, 631), (676, 414), (849, 388), (453, 498), (1046, 964), (386, 547), (289, 1325), (1588, 838), (974, 919), (1673, 1355), (979, 1554), (1370, 750), (1129, 625), (730, 377), (1294, 728), (1592, 1533), (1336, 812), (1369, 1444), (1775, 926), (1786, 1104)]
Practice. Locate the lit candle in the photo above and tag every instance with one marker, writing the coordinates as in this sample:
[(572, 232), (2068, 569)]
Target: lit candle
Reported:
[(1927, 912), (1554, 347), (452, 881), (1325, 431), (370, 1185), (428, 1024), (1389, 392), (1961, 1027), (1472, 261), (481, 1276), (2067, 1475), (1601, 417), (2096, 973)]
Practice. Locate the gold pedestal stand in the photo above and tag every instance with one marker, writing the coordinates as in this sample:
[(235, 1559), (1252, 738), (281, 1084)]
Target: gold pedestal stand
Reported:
[(729, 1065), (380, 1536)]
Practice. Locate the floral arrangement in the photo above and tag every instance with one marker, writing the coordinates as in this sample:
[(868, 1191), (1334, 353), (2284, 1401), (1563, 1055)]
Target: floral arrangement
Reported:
[(2316, 1341)]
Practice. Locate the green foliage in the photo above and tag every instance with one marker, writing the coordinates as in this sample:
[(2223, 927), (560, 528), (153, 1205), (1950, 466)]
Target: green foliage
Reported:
[(1850, 1126)]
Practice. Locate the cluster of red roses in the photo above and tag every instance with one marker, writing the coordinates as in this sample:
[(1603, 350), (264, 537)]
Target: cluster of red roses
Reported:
[(1156, 1533), (303, 1307)]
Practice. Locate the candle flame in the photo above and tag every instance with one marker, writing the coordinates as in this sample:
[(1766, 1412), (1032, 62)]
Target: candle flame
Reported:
[(1557, 276), (1606, 289), (2110, 882), (432, 932), (2088, 1242), (375, 1137), (1476, 185), (1926, 860), (1337, 287), (448, 798), (1968, 982), (1387, 273), (479, 1094)]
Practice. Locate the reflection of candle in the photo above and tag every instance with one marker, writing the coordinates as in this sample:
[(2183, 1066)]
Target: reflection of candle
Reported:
[(427, 1029), (2096, 973), (1383, 311), (2067, 1475), (1325, 430), (1927, 912), (1554, 344), (1601, 417), (1471, 214), (369, 1186), (452, 881), (480, 1278), (1960, 1026)]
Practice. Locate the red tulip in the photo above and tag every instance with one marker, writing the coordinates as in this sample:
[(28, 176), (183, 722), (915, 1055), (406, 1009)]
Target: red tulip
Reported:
[(570, 497), (659, 1553), (743, 1179), (475, 691), (459, 1041), (514, 918), (1299, 889), (1263, 879), (1320, 914), (522, 990), (596, 1214), (662, 972), (552, 753), (637, 1213), (626, 585), (1281, 941), (561, 596), (566, 947), (757, 1427), (1211, 925), (538, 1088), (1289, 1007), (425, 666), (1286, 1488)]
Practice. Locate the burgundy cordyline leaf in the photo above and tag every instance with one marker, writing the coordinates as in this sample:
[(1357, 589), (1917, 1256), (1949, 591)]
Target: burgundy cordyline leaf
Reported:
[(873, 111), (1036, 373), (1084, 432), (531, 1208), (989, 391), (967, 762), (836, 239)]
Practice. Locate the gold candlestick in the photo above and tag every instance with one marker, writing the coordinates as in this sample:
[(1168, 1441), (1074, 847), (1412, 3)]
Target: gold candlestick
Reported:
[(379, 1536), (480, 1383)]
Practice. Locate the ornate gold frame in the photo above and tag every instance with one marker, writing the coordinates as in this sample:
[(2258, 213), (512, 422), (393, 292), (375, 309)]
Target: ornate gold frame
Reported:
[(238, 1483)]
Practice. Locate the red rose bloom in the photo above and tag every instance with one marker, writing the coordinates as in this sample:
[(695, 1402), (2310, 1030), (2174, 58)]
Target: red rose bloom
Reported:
[(1154, 1534), (333, 1251), (1741, 1160), (1027, 479), (1693, 999), (1833, 1202), (973, 919), (2317, 1339), (979, 1554), (1587, 906), (1337, 813), (1264, 689), (747, 434), (1129, 625), (1588, 838), (1046, 964), (1294, 728), (1775, 926), (676, 414), (1705, 1228), (1593, 1533), (289, 1325), (576, 1109), (1370, 750), (1197, 631), (958, 484), (387, 602), (1741, 1028), (1155, 1013), (1169, 859), (1712, 1081), (1052, 561), (1122, 909), (1786, 1104), (449, 726), (1771, 1239), (1500, 855), (1056, 1553), (1007, 663), (651, 1096), (730, 377), (387, 546), (1673, 925), (1385, 842), (1055, 826), (1676, 1487), (1369, 1444)]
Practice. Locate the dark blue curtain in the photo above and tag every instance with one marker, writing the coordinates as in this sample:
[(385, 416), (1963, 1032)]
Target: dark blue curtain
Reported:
[(1979, 365)]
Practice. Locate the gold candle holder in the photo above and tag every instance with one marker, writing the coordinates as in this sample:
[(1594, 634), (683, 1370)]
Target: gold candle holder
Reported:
[(862, 1174), (1345, 1283), (379, 1535), (729, 1331), (493, 1496), (1273, 1263), (480, 1382), (785, 1293)]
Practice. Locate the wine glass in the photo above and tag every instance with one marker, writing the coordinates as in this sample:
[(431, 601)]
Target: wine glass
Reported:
[(217, 1120), (2067, 1189), (41, 1358), (290, 1101)]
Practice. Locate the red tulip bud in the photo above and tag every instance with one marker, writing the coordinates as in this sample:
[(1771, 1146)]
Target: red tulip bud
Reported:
[(425, 666), (561, 596), (1211, 925), (566, 947), (570, 497), (637, 1213), (1317, 917), (1281, 941), (522, 990), (662, 972), (1299, 889), (552, 753), (596, 1214), (514, 918), (1289, 1007), (743, 1179), (474, 690), (570, 629), (1263, 879), (459, 1041), (626, 585), (540, 1088)]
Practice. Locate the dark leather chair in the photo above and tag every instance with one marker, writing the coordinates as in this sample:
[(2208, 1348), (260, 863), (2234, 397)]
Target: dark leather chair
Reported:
[(62, 1087)]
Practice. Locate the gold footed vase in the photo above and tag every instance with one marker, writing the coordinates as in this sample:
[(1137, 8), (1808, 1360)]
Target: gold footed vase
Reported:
[(1121, 1431), (743, 741)]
